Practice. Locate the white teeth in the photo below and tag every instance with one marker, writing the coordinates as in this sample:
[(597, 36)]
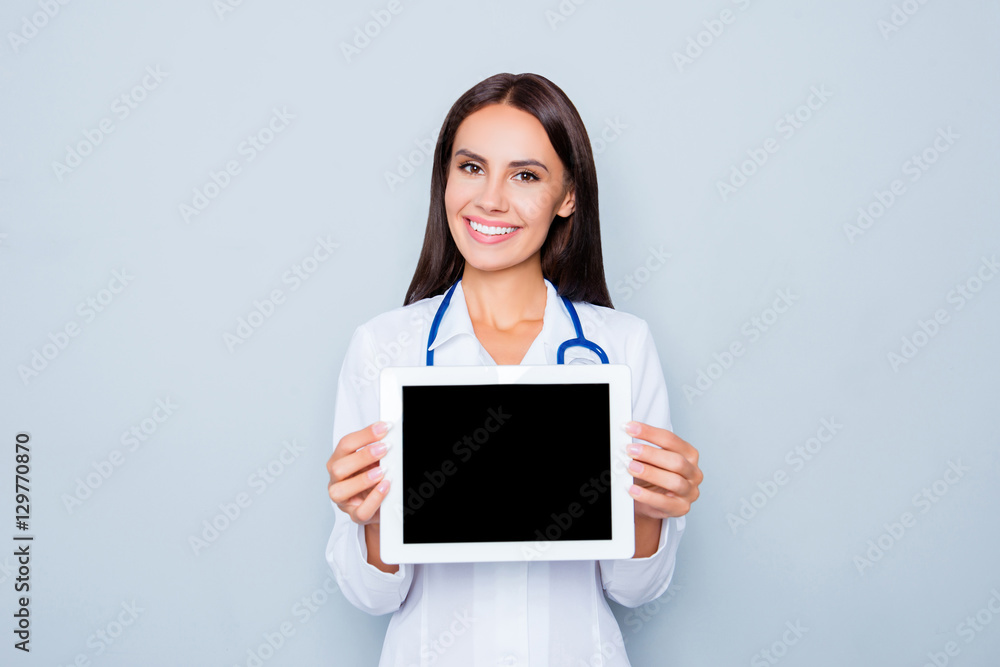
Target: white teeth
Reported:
[(491, 231)]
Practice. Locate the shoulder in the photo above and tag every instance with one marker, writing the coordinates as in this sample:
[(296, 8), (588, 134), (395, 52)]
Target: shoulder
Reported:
[(400, 325), (611, 323)]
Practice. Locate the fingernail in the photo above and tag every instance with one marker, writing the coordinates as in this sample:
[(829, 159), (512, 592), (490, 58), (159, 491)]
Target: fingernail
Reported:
[(635, 491), (383, 486), (380, 428), (375, 473), (634, 449), (631, 428), (377, 449), (635, 466)]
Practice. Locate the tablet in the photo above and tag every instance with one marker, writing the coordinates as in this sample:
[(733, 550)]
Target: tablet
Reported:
[(506, 463)]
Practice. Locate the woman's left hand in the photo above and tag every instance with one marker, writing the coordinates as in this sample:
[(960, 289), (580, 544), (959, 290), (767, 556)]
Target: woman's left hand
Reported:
[(666, 477)]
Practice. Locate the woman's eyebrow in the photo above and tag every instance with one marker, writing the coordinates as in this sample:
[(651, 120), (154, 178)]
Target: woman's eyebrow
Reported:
[(515, 163)]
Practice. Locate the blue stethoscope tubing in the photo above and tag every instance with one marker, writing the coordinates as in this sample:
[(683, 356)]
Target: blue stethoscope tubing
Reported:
[(579, 341)]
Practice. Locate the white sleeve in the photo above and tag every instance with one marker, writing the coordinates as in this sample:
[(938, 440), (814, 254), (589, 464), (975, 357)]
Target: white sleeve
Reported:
[(635, 581), (357, 406)]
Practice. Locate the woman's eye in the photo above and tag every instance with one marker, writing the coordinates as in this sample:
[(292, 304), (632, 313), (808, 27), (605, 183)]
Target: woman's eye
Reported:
[(468, 164), (525, 176)]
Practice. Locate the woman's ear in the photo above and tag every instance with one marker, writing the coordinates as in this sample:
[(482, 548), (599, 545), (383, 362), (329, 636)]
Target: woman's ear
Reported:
[(568, 205)]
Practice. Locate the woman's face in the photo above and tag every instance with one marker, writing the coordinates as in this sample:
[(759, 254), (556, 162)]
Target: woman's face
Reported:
[(504, 173)]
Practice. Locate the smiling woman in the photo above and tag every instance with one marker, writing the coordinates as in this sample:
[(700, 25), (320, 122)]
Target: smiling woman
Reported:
[(513, 237), (513, 151), (524, 193), (499, 212)]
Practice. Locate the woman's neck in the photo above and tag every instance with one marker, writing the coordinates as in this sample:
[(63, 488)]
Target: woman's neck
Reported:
[(504, 299)]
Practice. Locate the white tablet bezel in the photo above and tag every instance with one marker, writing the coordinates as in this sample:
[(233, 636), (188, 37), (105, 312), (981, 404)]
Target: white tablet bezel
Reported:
[(622, 543)]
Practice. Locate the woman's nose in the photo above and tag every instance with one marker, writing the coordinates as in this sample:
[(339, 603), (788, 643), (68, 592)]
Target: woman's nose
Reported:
[(491, 195)]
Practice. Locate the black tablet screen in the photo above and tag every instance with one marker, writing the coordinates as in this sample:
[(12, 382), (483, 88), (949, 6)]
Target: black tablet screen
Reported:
[(508, 462)]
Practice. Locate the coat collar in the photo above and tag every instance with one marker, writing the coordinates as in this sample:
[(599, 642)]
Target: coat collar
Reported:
[(557, 326)]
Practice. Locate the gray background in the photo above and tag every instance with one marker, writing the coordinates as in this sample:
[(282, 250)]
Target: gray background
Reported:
[(681, 130)]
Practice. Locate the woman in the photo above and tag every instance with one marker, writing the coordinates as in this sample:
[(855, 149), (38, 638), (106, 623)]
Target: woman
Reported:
[(513, 213)]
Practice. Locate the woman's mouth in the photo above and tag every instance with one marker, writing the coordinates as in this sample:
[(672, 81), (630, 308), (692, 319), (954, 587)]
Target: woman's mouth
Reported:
[(489, 233)]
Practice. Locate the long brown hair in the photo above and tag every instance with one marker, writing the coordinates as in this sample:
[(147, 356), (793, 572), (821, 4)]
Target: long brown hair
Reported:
[(571, 254)]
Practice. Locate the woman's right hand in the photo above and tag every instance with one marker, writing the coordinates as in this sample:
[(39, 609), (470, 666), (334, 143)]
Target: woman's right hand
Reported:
[(354, 471)]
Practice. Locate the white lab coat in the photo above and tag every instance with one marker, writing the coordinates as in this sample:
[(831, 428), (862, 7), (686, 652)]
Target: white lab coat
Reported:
[(537, 613)]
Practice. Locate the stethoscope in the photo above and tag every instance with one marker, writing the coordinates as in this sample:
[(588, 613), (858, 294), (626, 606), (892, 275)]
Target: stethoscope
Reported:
[(579, 341)]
